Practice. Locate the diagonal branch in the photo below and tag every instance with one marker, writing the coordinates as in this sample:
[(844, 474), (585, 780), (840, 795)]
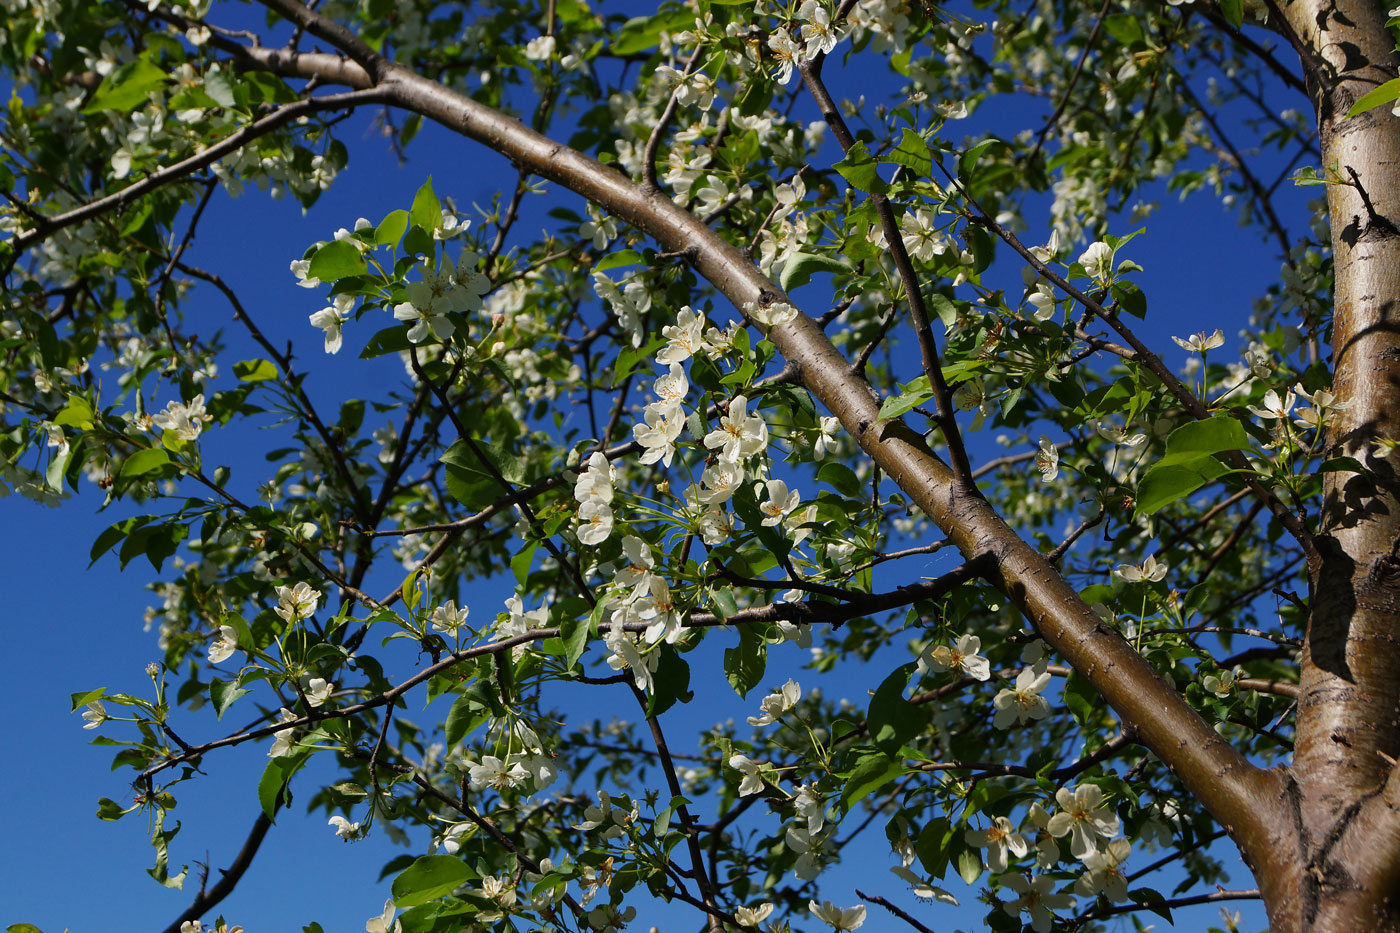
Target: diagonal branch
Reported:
[(208, 900), (1238, 793)]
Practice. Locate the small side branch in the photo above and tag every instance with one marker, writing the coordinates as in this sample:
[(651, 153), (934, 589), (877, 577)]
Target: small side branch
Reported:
[(208, 900)]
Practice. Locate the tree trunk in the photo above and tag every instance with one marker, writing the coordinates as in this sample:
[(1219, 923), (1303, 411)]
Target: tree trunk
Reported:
[(1333, 867)]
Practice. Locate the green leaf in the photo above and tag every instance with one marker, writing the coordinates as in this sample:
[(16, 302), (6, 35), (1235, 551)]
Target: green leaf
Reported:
[(22, 928), (108, 809), (272, 786), (79, 700), (1376, 97), (574, 633), (630, 358), (932, 846), (429, 878), (114, 533), (1080, 697), (1233, 11), (520, 564), (222, 695), (623, 257), (1126, 29), (967, 162), (217, 86), (722, 603), (336, 260), (643, 32), (389, 340), (502, 459), (1343, 465), (860, 169), (1153, 901), (392, 228), (461, 719), (671, 683), (913, 153), (892, 719), (255, 370), (1163, 485), (427, 209), (943, 306), (150, 460), (969, 863), (76, 414), (126, 88), (744, 665), (915, 394), (841, 478), (873, 772), (800, 267), (1210, 436)]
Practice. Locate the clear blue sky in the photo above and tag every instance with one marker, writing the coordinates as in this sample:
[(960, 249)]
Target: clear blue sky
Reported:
[(74, 629)]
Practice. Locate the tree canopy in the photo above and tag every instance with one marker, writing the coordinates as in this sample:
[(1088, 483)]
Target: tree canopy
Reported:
[(794, 366)]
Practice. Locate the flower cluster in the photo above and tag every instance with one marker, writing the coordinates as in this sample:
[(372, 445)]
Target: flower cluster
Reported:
[(444, 289), (594, 493), (818, 33)]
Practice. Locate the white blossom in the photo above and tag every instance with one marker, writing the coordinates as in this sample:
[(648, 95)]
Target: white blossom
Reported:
[(1047, 460), (752, 782), (776, 704), (962, 657), (222, 648), (331, 320), (998, 839), (1201, 342), (838, 918), (1023, 702), (1081, 819)]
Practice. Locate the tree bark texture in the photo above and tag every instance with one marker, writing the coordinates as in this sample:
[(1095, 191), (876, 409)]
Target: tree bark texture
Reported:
[(1334, 863)]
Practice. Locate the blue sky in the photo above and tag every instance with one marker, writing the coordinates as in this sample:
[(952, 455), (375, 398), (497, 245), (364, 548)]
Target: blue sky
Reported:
[(75, 629)]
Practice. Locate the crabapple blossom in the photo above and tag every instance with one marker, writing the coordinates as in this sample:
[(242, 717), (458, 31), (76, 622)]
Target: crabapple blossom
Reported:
[(776, 704), (448, 619), (1047, 460), (222, 648), (344, 828), (1105, 874), (961, 657), (752, 782), (1079, 817), (1201, 342), (838, 918), (1023, 702), (1037, 897), (95, 715), (1149, 571), (332, 318), (1097, 261), (779, 503), (296, 602), (998, 839)]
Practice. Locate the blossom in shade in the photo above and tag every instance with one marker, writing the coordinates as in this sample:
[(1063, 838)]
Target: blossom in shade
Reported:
[(998, 839), (961, 657), (1047, 460), (1036, 896), (1023, 702), (752, 782)]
